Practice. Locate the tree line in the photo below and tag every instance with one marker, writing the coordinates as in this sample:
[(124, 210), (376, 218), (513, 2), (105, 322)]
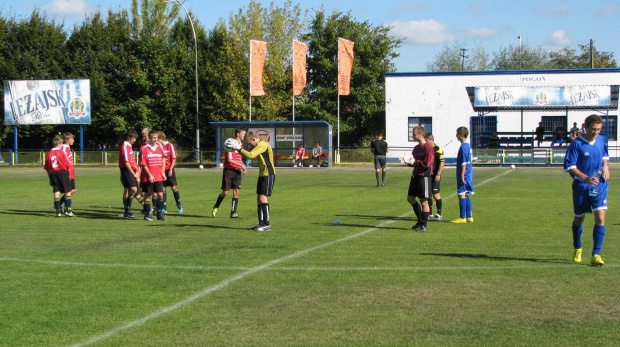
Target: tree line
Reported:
[(141, 65)]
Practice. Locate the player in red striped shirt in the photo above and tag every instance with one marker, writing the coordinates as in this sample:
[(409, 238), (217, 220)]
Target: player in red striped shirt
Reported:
[(171, 181), (153, 163), (234, 169), (66, 147), (130, 173), (57, 166)]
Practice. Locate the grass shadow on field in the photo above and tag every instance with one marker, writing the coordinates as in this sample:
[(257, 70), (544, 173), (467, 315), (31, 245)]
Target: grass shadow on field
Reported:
[(376, 217), (211, 226), (47, 213), (366, 226), (494, 258)]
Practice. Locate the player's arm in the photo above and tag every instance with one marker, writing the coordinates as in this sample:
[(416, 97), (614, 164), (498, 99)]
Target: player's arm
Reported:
[(255, 152), (163, 167), (440, 170)]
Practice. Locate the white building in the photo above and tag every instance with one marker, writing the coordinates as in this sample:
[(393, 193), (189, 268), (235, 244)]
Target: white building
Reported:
[(506, 102)]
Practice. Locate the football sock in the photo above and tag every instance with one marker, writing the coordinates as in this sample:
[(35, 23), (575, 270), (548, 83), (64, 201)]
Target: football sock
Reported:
[(125, 203), (598, 235), (128, 205), (260, 213), (430, 206), (139, 198), (219, 201), (160, 206), (417, 209), (462, 208), (377, 175), (424, 220), (177, 196), (62, 200), (468, 211), (57, 205), (234, 205), (383, 177), (265, 209), (439, 205), (577, 230), (165, 201), (68, 204), (147, 207)]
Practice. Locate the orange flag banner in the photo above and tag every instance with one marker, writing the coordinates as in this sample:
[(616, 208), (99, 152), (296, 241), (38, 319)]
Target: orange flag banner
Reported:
[(345, 65), (258, 52), (300, 51)]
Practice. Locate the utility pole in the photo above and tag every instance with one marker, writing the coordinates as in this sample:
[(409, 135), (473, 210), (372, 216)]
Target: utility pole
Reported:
[(462, 55), (592, 53)]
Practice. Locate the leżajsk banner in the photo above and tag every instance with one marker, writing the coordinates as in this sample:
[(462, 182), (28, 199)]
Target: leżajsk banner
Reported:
[(34, 102), (543, 96)]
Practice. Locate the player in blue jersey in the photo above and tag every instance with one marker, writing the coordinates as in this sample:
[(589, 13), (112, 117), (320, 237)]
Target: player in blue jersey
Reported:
[(464, 178), (586, 161)]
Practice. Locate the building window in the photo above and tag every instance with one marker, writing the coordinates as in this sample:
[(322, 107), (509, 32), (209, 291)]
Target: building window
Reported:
[(481, 128), (426, 122), (552, 122), (610, 127)]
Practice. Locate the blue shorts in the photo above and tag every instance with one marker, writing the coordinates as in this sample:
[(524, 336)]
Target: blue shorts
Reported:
[(583, 203), (465, 189)]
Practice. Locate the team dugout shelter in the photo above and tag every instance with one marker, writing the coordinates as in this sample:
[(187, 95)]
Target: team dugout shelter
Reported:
[(284, 138)]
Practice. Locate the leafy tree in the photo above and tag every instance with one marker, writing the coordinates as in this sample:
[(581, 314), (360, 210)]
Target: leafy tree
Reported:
[(567, 58), (456, 56), (99, 49), (33, 48), (523, 57), (363, 112)]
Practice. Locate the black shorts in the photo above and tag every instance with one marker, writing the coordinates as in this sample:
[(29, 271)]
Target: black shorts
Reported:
[(420, 187), (379, 161), (171, 181), (436, 186), (231, 179), (127, 179), (72, 183), (60, 182), (265, 185), (149, 188)]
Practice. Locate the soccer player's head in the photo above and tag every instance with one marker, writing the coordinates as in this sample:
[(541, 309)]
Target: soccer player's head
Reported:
[(430, 138), (68, 137), (153, 136), (462, 132), (594, 125), (251, 138), (240, 133), (57, 141), (161, 136), (145, 133)]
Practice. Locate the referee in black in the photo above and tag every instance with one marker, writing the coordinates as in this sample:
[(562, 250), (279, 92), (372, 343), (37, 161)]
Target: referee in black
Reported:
[(379, 148)]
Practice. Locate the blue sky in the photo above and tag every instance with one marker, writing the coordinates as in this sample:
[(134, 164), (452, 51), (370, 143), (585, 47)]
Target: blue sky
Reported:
[(425, 26)]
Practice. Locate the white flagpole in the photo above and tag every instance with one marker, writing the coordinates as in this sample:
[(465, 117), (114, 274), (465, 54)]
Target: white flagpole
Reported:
[(250, 84)]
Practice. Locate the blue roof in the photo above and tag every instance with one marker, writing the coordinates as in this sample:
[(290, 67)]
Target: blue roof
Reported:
[(507, 72)]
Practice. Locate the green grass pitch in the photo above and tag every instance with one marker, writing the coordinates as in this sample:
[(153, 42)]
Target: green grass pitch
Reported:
[(505, 280)]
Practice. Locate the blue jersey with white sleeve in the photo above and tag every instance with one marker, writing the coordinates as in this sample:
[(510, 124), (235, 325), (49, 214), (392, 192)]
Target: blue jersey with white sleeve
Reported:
[(586, 156), (464, 162)]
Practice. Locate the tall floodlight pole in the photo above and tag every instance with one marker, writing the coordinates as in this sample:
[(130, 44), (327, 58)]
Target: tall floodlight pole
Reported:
[(180, 2)]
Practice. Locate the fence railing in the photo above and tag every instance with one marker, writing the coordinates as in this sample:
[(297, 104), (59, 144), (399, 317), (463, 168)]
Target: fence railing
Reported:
[(185, 157)]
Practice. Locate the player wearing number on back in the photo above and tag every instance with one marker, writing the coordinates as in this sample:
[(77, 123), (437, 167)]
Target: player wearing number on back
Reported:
[(57, 166)]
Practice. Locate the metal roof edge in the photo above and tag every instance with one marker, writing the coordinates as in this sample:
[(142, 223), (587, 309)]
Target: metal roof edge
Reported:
[(502, 72)]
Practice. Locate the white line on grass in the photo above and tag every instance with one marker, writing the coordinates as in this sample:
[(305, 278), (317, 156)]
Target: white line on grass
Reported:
[(165, 310)]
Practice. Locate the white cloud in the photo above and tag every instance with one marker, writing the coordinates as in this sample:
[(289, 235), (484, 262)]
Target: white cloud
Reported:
[(553, 11), (481, 33), (414, 6), (609, 10), (559, 38), (76, 9), (421, 32)]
